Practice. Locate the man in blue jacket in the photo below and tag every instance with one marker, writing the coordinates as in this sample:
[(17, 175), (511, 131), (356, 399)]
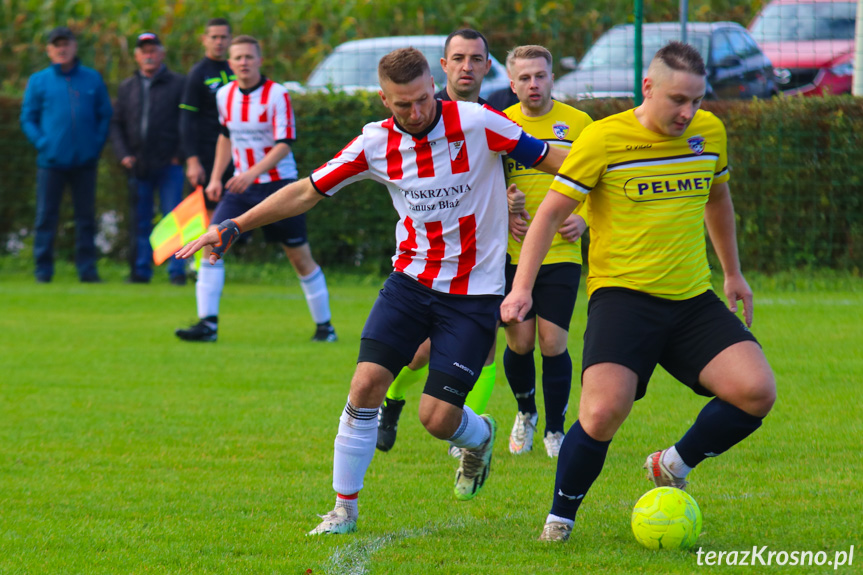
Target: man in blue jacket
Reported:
[(66, 113)]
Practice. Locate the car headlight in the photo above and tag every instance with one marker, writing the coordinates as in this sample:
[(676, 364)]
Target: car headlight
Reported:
[(844, 69)]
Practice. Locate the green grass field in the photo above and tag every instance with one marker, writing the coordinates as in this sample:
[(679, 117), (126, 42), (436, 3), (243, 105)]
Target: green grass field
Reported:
[(123, 450)]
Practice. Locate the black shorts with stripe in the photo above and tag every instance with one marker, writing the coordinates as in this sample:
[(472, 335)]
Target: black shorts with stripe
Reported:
[(554, 291), (639, 331), (461, 328)]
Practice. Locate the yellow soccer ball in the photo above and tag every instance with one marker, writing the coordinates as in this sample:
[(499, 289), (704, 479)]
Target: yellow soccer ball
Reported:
[(666, 518)]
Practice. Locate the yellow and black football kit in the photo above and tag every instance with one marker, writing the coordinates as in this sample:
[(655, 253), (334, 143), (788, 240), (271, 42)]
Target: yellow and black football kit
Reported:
[(647, 196)]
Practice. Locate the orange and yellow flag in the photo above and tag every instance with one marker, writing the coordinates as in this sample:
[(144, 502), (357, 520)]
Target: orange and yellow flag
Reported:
[(185, 223)]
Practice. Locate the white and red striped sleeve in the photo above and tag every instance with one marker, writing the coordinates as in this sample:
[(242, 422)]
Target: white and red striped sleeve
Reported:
[(348, 166), (501, 133), (284, 126)]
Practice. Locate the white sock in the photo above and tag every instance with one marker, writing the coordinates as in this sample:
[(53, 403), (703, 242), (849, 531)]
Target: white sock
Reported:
[(472, 432), (354, 448), (208, 288), (672, 460), (317, 296), (559, 519), (350, 505)]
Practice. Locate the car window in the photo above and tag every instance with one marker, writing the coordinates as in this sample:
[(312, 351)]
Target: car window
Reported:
[(742, 49), (721, 48), (616, 48), (805, 22), (359, 67)]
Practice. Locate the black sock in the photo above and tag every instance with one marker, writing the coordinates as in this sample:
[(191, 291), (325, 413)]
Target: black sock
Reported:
[(213, 319), (717, 428), (556, 384), (521, 373), (579, 463)]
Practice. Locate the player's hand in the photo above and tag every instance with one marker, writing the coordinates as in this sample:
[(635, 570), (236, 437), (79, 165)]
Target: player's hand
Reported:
[(737, 289), (214, 190), (240, 182), (515, 199), (573, 227), (515, 306), (518, 225), (195, 173), (128, 162), (219, 239)]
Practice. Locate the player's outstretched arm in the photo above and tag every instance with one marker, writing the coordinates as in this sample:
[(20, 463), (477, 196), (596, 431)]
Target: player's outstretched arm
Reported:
[(294, 199), (719, 218), (552, 212)]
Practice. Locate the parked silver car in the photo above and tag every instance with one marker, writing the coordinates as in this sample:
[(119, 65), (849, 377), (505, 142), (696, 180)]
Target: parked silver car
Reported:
[(736, 67), (353, 66)]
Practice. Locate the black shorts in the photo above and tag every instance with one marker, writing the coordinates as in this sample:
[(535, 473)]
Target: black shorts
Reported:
[(553, 293), (461, 328), (638, 331), (290, 231)]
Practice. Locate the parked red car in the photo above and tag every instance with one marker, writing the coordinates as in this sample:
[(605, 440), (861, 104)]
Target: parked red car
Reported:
[(810, 43)]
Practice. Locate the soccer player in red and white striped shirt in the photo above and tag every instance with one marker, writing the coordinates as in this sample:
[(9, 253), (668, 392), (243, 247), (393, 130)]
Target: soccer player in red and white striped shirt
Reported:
[(440, 162), (258, 129)]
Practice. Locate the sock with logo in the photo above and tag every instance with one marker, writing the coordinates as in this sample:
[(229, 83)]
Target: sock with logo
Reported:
[(580, 461), (478, 398), (717, 428), (208, 288), (406, 378), (556, 385), (520, 372)]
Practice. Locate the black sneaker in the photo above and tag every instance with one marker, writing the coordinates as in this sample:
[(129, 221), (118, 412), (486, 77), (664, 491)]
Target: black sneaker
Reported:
[(388, 422), (201, 331), (325, 332)]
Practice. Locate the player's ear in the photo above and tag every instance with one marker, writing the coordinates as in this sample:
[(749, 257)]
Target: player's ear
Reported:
[(488, 65), (647, 87), (443, 64)]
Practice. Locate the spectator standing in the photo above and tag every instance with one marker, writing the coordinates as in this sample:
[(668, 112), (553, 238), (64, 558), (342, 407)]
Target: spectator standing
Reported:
[(145, 134), (199, 115), (65, 115)]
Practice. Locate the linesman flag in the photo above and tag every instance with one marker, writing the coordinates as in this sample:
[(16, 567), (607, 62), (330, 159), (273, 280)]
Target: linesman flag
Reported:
[(185, 223)]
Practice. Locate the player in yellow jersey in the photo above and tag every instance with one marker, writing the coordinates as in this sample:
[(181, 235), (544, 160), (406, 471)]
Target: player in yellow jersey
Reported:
[(556, 287), (656, 175)]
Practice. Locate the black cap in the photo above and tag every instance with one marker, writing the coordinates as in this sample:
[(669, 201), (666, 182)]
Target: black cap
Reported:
[(60, 33), (147, 38)]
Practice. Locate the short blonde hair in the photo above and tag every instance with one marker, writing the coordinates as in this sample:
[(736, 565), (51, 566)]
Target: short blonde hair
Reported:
[(246, 39), (528, 52)]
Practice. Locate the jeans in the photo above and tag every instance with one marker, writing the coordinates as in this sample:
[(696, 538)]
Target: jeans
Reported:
[(50, 183), (169, 181)]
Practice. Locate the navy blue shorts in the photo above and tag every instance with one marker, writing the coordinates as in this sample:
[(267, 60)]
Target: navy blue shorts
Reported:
[(554, 291), (461, 328), (638, 331), (291, 231)]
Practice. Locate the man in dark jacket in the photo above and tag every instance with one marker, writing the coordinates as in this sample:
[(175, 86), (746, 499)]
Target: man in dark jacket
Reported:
[(65, 115), (145, 134)]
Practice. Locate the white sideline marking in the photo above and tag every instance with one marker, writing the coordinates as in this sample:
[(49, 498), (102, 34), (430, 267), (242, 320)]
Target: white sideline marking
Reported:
[(353, 558), (794, 302)]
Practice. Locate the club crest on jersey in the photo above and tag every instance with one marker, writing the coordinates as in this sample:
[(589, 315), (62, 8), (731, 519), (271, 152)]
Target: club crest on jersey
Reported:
[(696, 144), (560, 130), (456, 150)]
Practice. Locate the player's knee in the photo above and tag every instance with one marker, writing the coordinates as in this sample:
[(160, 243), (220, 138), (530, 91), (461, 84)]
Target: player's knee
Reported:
[(521, 347), (601, 421), (762, 396)]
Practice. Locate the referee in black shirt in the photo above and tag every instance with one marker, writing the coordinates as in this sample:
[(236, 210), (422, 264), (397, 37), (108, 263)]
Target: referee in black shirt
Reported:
[(199, 117)]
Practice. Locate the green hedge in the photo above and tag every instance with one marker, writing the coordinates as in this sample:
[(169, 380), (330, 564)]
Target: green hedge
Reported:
[(795, 181)]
